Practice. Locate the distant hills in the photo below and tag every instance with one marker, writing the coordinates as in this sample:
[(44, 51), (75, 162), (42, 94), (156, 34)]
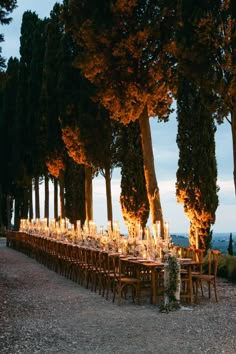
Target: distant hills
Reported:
[(220, 241)]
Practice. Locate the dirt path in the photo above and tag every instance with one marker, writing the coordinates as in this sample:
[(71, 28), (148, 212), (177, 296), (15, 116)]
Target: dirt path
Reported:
[(42, 312)]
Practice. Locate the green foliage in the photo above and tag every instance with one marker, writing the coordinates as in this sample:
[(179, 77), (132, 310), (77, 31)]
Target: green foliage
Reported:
[(133, 198), (123, 55), (196, 186), (197, 40), (74, 192), (7, 127), (50, 100), (198, 54), (227, 267)]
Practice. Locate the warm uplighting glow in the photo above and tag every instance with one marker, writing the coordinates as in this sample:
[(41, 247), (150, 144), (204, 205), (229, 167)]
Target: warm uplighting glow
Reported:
[(151, 247)]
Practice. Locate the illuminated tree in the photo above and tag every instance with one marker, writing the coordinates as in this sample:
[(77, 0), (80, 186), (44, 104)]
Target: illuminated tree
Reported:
[(133, 198), (196, 186), (123, 53), (68, 94), (207, 55), (55, 154), (102, 149), (197, 54), (23, 136), (74, 192), (56, 167), (75, 149), (86, 128), (36, 145)]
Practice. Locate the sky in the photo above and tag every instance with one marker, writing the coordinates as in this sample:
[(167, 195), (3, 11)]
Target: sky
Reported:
[(165, 153)]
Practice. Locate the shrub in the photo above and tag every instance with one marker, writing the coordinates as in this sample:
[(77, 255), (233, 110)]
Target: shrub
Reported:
[(227, 267)]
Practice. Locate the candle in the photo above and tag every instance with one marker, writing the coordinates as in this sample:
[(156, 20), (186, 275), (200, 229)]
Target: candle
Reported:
[(166, 231), (78, 224)]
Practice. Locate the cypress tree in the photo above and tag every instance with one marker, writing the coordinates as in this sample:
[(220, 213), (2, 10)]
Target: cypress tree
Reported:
[(230, 246), (74, 192), (133, 198), (23, 136), (196, 186), (8, 131), (124, 55), (55, 154)]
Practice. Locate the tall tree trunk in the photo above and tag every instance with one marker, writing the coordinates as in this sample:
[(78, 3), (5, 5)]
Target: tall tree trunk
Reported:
[(55, 184), (149, 170), (17, 214), (37, 205), (62, 192), (46, 196), (233, 130), (108, 194), (9, 204), (31, 211), (88, 193)]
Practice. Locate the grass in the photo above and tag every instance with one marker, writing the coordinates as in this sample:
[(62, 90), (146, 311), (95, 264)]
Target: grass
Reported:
[(227, 267)]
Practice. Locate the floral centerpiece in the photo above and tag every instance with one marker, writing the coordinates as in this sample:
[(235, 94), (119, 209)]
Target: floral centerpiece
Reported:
[(171, 284)]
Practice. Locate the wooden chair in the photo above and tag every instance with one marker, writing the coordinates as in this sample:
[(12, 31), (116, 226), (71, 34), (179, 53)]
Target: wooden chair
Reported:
[(89, 268), (77, 264), (198, 268), (125, 277), (211, 277), (97, 270), (106, 274), (62, 259), (82, 268), (188, 285), (109, 266)]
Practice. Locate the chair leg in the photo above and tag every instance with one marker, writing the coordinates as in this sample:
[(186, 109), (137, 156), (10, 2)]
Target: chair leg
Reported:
[(215, 291)]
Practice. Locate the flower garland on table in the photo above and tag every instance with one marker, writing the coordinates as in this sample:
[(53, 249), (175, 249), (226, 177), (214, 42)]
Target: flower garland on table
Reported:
[(172, 283)]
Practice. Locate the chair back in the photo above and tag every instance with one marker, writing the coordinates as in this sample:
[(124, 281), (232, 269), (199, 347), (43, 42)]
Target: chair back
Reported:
[(115, 266), (213, 260), (104, 262), (96, 259), (187, 252), (199, 255)]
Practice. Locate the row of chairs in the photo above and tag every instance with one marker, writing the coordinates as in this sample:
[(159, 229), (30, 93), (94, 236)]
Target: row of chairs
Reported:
[(95, 269)]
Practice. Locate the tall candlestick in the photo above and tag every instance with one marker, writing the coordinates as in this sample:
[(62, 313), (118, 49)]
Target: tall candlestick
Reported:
[(166, 231)]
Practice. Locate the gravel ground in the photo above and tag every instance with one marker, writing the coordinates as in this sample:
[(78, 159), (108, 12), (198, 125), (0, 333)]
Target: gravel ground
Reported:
[(43, 312)]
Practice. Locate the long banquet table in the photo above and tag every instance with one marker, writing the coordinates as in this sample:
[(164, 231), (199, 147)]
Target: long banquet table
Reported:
[(57, 254)]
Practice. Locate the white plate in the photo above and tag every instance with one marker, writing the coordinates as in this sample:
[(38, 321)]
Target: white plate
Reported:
[(185, 259), (143, 260)]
